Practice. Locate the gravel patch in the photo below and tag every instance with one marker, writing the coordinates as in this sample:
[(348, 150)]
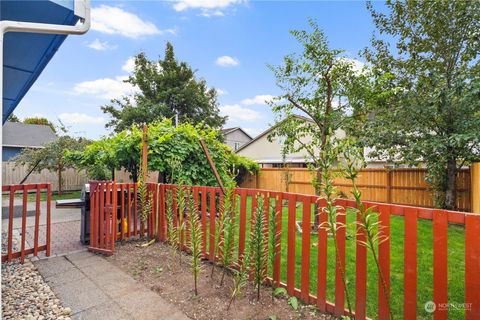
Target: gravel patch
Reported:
[(26, 295), (15, 241)]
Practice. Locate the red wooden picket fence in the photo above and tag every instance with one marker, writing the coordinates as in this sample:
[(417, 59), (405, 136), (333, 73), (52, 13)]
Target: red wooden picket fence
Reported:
[(107, 197), (207, 199), (22, 251)]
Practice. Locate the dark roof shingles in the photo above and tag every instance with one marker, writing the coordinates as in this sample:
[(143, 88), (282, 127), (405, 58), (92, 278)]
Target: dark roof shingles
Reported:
[(27, 135)]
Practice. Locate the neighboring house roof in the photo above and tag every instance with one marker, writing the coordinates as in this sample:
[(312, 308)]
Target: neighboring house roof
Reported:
[(270, 130), (230, 130), (17, 134)]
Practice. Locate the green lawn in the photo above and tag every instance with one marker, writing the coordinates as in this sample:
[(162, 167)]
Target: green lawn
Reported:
[(425, 265), (32, 196)]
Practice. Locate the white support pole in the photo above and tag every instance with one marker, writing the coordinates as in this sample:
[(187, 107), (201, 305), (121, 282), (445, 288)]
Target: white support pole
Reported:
[(82, 9)]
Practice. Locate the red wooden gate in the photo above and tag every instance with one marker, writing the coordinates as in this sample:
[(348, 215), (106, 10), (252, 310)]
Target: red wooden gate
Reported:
[(103, 216), (39, 227)]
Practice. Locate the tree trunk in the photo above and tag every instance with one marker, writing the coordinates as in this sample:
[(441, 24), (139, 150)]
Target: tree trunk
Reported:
[(451, 187), (161, 177), (113, 174), (59, 180)]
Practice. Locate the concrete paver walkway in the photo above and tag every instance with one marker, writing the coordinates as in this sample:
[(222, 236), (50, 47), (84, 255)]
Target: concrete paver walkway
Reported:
[(95, 289)]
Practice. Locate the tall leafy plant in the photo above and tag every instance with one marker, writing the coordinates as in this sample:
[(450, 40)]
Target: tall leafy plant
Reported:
[(224, 212), (195, 240), (145, 200), (368, 224), (274, 238), (181, 208), (313, 84), (228, 239), (330, 154), (258, 244), (240, 275), (171, 228)]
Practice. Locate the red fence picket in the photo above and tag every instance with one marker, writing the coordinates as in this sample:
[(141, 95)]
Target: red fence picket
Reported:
[(472, 267), (208, 199), (384, 261), (292, 206), (410, 264), (23, 251), (361, 271), (306, 228), (322, 257), (440, 264), (104, 230)]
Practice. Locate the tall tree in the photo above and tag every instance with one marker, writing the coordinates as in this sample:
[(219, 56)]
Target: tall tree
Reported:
[(315, 84), (426, 88), (41, 121), (166, 87), (52, 156), (13, 118)]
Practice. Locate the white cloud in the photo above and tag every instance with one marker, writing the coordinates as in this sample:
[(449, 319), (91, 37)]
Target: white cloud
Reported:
[(259, 99), (99, 45), (113, 20), (216, 5), (209, 13), (237, 112), (357, 65), (129, 65), (79, 118), (222, 92), (106, 88), (227, 61)]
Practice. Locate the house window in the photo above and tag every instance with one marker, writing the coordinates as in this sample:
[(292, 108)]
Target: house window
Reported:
[(237, 145)]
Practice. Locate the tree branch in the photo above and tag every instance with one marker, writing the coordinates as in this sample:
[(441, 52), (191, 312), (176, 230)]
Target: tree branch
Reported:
[(301, 108)]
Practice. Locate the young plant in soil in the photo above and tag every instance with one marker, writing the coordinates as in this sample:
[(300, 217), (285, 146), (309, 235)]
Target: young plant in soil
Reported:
[(224, 211), (274, 238), (240, 276), (228, 239), (171, 231), (368, 224), (258, 245), (180, 227), (195, 241)]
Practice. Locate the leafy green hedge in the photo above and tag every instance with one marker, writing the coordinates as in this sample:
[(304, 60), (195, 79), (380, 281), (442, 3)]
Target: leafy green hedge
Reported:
[(168, 147)]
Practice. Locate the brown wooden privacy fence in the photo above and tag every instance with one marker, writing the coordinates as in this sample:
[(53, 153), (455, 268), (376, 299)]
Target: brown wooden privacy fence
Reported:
[(11, 192), (301, 207), (73, 179), (400, 186)]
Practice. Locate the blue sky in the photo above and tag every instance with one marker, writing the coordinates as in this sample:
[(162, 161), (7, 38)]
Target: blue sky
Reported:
[(228, 42)]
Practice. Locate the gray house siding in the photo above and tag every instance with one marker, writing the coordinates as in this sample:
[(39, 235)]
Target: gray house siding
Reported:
[(236, 138)]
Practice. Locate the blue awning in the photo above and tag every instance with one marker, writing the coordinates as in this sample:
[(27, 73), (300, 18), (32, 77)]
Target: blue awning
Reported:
[(27, 54)]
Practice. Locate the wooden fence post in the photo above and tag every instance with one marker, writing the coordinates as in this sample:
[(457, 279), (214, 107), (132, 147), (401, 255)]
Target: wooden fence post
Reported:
[(145, 152), (475, 187), (389, 185)]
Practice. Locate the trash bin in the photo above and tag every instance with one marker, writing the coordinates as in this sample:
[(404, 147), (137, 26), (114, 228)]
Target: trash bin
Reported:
[(85, 220), (84, 204)]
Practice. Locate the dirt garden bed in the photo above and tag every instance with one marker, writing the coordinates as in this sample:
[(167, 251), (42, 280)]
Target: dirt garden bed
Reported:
[(153, 267)]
